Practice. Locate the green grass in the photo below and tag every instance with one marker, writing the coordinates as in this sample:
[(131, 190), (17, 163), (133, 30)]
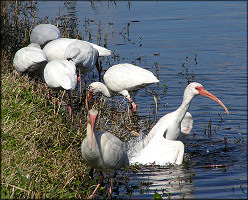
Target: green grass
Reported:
[(37, 144), (41, 155)]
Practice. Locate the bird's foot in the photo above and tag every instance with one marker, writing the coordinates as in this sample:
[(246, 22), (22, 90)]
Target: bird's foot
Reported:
[(91, 196)]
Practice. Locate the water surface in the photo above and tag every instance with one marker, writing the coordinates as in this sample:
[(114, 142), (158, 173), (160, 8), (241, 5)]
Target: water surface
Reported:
[(213, 37)]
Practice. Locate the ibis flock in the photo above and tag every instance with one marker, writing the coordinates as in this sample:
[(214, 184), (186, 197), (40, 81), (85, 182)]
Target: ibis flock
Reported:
[(59, 62)]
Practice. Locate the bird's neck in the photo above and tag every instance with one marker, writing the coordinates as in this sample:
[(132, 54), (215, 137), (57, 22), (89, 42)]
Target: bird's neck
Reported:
[(89, 135), (104, 90), (183, 108)]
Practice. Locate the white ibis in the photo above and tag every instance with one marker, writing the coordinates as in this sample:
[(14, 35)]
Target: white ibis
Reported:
[(82, 53), (102, 150), (125, 79), (61, 74), (56, 49), (161, 145), (44, 33), (30, 59)]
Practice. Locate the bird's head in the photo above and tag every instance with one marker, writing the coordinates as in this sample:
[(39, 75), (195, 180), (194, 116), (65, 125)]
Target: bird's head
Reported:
[(92, 89), (194, 89)]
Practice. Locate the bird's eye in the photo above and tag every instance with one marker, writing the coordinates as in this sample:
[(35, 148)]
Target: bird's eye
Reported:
[(196, 87)]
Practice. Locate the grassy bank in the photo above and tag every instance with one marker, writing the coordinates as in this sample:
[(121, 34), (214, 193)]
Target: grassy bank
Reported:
[(40, 150), (41, 155)]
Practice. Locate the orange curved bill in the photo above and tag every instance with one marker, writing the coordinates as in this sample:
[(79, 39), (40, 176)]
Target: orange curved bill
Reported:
[(205, 93), (92, 119), (89, 96)]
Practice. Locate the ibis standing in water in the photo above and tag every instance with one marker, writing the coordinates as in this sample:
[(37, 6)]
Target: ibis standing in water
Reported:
[(44, 33), (61, 74), (162, 145), (102, 150), (125, 79)]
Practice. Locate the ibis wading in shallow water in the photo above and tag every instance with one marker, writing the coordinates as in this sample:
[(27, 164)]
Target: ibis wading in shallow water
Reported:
[(102, 150), (125, 79), (162, 145)]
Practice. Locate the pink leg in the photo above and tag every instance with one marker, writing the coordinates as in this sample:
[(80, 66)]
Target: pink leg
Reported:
[(111, 188), (92, 195), (59, 102), (79, 79), (98, 185), (133, 104), (70, 110)]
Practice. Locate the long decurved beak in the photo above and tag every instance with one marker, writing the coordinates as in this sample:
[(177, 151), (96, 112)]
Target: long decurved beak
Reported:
[(205, 93), (89, 96), (92, 119)]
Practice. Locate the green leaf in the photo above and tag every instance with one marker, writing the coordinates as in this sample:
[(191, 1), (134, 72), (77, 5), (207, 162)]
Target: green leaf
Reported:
[(157, 196), (23, 179)]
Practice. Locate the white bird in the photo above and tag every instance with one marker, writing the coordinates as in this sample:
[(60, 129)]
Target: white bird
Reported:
[(125, 79), (61, 74), (162, 145), (56, 48), (44, 33), (30, 59), (82, 53), (102, 150)]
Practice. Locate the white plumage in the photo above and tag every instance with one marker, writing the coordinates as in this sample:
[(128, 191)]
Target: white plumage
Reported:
[(107, 152), (81, 53), (162, 145), (30, 59), (125, 79), (60, 74), (101, 50), (186, 127), (56, 49), (102, 150), (44, 33)]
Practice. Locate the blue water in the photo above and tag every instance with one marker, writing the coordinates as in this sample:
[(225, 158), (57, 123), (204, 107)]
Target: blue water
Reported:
[(164, 34)]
